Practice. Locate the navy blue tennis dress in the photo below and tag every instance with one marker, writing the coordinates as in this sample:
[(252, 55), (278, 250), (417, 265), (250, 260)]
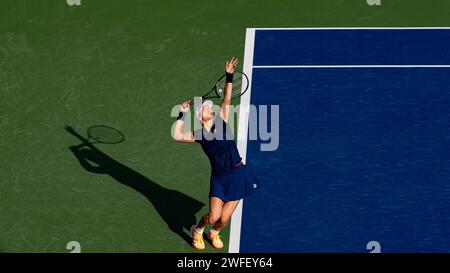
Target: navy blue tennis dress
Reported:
[(230, 179)]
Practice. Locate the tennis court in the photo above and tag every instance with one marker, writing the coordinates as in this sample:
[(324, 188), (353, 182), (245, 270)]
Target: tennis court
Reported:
[(364, 154), (124, 64)]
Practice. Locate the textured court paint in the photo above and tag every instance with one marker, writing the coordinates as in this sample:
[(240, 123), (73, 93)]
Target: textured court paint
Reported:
[(124, 64), (363, 156)]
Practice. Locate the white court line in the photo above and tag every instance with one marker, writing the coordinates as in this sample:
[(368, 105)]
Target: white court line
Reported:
[(351, 66), (345, 28), (355, 66), (236, 218)]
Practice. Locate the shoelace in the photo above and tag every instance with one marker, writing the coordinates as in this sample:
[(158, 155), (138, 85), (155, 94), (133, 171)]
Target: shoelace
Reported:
[(215, 236), (197, 237)]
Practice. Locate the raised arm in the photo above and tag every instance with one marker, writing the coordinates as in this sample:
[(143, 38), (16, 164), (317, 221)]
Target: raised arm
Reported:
[(225, 105), (178, 133)]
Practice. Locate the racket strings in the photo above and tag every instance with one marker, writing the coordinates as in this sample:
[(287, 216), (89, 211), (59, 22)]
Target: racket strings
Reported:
[(105, 134), (240, 85)]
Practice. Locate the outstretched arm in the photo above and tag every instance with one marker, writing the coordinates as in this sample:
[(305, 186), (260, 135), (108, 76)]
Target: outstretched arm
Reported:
[(178, 133), (225, 105)]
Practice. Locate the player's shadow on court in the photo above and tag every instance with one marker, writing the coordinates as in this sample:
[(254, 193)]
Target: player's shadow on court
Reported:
[(176, 208)]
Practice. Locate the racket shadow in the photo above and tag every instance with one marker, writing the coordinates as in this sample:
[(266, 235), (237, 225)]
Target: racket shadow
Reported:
[(175, 208)]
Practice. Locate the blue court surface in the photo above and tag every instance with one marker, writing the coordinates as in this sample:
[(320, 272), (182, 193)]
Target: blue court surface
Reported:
[(364, 149)]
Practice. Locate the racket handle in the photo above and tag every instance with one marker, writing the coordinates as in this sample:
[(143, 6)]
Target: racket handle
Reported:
[(191, 102), (75, 134)]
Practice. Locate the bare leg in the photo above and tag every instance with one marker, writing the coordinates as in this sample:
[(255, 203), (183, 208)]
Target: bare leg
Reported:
[(215, 211), (227, 210)]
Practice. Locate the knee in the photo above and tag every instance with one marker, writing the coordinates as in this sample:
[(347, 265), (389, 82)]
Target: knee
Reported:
[(213, 217)]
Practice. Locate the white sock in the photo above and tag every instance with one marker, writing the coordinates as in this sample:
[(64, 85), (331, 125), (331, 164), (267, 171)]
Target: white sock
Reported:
[(214, 231), (199, 230)]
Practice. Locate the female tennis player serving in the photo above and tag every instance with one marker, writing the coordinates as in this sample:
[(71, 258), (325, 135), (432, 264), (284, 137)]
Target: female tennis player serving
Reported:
[(230, 179)]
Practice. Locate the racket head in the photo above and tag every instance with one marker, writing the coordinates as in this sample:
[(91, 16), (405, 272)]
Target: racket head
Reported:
[(105, 134), (240, 85)]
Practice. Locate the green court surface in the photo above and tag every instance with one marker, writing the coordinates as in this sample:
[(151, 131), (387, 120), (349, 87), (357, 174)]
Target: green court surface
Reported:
[(126, 64)]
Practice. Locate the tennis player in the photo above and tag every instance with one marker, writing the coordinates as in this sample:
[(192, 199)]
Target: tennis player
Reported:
[(230, 179)]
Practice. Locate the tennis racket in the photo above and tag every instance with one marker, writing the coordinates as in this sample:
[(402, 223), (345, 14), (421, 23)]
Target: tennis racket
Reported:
[(240, 86), (99, 134)]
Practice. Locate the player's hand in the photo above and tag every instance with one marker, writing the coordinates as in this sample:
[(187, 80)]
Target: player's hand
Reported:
[(185, 106), (231, 65)]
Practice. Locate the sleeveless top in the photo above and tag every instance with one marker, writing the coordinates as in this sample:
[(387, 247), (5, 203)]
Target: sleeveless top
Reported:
[(219, 146)]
